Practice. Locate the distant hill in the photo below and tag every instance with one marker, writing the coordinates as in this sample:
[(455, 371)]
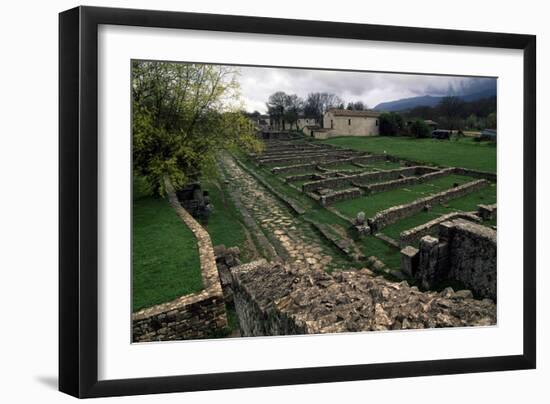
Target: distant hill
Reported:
[(430, 101)]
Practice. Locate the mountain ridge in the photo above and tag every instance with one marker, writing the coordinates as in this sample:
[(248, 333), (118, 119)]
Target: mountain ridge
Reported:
[(404, 104)]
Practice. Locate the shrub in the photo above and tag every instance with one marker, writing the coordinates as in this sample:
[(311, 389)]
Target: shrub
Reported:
[(391, 124), (420, 129)]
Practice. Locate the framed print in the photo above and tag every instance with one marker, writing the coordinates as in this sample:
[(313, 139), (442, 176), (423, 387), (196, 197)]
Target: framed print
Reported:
[(250, 201)]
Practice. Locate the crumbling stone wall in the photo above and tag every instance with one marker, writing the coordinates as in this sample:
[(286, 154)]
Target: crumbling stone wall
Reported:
[(487, 212), (342, 195), (226, 258), (318, 157), (363, 178), (476, 173), (277, 299), (413, 235), (197, 315), (389, 185), (464, 251), (395, 213)]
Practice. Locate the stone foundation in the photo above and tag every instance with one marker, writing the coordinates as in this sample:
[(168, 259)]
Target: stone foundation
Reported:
[(275, 299), (395, 213), (366, 178), (413, 235), (389, 185), (465, 252), (487, 212), (335, 196)]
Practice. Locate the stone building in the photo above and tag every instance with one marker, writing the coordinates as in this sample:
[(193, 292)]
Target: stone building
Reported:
[(342, 122), (304, 121)]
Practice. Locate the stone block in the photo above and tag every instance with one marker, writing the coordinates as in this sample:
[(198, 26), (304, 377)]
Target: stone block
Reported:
[(409, 260)]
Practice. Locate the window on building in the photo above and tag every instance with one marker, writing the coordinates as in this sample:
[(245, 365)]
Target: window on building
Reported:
[(377, 122), (349, 121), (331, 124)]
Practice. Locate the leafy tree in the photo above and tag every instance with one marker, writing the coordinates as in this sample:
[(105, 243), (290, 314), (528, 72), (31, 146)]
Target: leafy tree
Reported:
[(182, 115), (391, 124), (420, 129)]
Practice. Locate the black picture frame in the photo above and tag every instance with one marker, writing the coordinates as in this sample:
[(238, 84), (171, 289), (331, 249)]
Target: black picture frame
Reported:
[(78, 201)]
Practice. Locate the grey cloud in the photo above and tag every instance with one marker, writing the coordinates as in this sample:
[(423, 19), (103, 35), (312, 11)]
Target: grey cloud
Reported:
[(257, 83)]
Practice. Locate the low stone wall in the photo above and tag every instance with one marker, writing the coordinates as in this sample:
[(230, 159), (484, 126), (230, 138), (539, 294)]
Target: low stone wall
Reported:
[(487, 212), (197, 315), (476, 173), (413, 235), (226, 258), (294, 167), (389, 185), (361, 178), (319, 157), (302, 177), (464, 251), (276, 299), (395, 213), (335, 196)]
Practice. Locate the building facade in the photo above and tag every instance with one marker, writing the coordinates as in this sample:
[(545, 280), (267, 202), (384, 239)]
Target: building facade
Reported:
[(342, 122)]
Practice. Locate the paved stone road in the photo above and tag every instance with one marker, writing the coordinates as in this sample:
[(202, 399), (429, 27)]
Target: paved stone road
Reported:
[(295, 237)]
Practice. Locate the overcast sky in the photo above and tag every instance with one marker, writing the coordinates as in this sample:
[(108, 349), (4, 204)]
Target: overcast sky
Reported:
[(258, 83)]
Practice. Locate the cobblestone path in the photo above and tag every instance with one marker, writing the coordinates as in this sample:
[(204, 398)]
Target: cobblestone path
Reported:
[(298, 240)]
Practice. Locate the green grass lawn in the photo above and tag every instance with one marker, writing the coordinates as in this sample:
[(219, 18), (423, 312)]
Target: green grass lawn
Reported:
[(165, 260), (464, 152), (371, 204)]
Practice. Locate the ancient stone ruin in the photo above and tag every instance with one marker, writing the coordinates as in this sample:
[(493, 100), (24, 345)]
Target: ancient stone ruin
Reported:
[(316, 279), (277, 299)]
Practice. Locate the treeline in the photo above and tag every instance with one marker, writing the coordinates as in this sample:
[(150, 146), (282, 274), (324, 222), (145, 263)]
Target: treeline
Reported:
[(283, 107), (454, 113), (450, 113)]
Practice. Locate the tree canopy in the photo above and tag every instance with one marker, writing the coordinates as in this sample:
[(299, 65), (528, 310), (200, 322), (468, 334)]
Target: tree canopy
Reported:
[(183, 114), (391, 124)]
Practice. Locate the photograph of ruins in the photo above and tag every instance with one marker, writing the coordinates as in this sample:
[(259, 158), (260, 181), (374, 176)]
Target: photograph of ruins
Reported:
[(282, 201)]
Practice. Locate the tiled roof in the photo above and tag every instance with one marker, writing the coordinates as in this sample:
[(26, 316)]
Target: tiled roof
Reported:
[(345, 112)]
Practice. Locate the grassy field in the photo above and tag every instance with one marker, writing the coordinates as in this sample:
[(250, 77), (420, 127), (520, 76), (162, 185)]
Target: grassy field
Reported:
[(464, 152), (165, 260), (371, 204)]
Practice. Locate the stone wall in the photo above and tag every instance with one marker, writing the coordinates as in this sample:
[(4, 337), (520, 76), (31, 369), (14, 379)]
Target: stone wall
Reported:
[(361, 178), (389, 185), (487, 212), (464, 251), (197, 315), (318, 157), (395, 213), (277, 299), (294, 167), (473, 255), (413, 235), (476, 173), (335, 196)]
